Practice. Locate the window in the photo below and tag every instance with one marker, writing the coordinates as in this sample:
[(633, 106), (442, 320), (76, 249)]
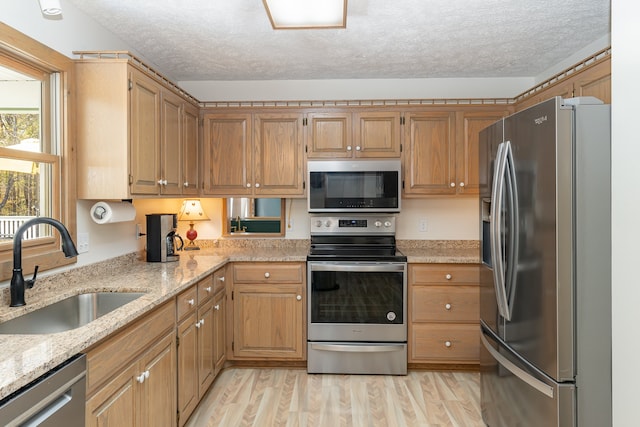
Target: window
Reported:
[(247, 217), (35, 150)]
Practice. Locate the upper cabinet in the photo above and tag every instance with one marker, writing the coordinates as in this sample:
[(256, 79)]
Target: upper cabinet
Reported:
[(441, 150), (370, 134), (258, 155), (136, 135)]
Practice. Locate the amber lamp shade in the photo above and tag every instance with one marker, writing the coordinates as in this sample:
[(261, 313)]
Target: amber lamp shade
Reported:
[(192, 211)]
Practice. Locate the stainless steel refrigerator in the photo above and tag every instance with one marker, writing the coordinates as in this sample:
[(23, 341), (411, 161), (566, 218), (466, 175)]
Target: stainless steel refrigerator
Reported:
[(545, 282)]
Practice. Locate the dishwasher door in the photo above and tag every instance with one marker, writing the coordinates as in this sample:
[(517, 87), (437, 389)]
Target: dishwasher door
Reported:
[(55, 399)]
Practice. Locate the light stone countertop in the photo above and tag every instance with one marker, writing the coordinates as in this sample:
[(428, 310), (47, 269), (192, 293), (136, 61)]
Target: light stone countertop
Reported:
[(23, 358)]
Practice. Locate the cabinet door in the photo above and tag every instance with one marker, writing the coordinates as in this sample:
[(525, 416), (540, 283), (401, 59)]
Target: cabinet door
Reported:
[(471, 123), (206, 331), (187, 367), (115, 404), (429, 165), (268, 321), (157, 398), (145, 134), (219, 330), (171, 146), (279, 161), (329, 135), (227, 156), (190, 159), (377, 134), (595, 81)]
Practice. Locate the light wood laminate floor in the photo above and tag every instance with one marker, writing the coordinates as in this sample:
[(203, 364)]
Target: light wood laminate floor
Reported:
[(291, 397)]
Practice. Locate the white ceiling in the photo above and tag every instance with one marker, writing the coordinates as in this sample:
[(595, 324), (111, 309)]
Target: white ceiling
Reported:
[(233, 39)]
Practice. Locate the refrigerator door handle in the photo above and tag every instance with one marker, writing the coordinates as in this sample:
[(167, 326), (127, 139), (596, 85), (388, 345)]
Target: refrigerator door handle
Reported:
[(496, 231), (514, 230), (515, 370)]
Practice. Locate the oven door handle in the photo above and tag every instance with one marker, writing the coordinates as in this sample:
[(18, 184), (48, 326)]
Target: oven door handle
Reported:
[(357, 267), (359, 348)]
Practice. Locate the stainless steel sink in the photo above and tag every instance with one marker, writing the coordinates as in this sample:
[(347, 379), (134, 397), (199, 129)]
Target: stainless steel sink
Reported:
[(69, 313)]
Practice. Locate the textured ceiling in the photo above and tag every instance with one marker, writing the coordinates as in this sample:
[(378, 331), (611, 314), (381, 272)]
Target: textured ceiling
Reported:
[(233, 39)]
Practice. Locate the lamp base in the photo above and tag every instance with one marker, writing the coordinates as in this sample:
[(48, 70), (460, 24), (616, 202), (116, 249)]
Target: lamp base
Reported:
[(191, 248)]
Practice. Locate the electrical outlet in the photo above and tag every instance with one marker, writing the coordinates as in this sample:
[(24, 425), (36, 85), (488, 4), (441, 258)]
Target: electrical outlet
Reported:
[(290, 224), (422, 225), (138, 235), (83, 243)]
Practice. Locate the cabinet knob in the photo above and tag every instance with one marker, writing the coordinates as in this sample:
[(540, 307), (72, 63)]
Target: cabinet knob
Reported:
[(453, 184), (221, 279), (216, 307), (448, 277), (447, 343), (462, 184), (267, 275), (357, 148), (299, 297), (191, 301), (162, 181), (208, 289), (257, 185), (348, 148), (199, 323), (447, 306), (248, 185), (186, 183), (140, 378)]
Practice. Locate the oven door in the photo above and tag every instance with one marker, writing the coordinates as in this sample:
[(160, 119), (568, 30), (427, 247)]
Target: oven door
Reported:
[(357, 301)]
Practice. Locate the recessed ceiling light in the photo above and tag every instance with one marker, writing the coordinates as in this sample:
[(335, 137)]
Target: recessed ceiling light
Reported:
[(50, 7), (305, 14)]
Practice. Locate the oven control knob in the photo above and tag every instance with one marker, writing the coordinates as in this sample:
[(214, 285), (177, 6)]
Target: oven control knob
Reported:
[(391, 316), (327, 223), (387, 224), (318, 223), (378, 224)]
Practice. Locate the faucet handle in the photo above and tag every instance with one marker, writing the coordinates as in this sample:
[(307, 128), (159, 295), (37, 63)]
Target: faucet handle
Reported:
[(29, 283)]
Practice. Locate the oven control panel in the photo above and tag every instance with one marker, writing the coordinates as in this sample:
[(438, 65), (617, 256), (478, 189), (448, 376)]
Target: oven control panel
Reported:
[(355, 224)]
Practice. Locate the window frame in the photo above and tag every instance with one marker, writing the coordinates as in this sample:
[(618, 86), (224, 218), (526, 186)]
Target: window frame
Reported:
[(31, 57)]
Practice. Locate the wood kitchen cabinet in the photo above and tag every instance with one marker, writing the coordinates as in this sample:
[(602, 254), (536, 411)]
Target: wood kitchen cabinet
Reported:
[(131, 130), (190, 151), (268, 311), (444, 314), (131, 376), (334, 135), (441, 155)]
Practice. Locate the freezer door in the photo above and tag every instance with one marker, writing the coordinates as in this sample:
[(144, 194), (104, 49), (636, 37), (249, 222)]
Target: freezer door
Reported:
[(514, 393)]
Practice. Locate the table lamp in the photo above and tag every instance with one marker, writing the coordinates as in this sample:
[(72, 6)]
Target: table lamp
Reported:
[(192, 211)]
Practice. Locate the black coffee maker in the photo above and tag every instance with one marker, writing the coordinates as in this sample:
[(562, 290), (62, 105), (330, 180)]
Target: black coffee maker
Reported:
[(163, 243)]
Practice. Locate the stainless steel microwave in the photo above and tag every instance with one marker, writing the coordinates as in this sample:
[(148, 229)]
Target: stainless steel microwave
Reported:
[(354, 185)]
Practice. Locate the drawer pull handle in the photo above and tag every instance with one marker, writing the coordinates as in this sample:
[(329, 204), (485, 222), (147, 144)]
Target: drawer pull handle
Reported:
[(447, 306), (140, 378), (208, 289), (448, 277), (221, 278), (447, 343), (199, 323), (267, 275), (217, 306), (299, 297), (191, 301)]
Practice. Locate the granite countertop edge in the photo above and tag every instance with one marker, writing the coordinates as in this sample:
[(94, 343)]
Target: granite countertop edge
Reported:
[(24, 358)]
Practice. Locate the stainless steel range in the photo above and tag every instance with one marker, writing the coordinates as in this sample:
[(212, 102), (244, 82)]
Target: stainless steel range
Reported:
[(357, 296)]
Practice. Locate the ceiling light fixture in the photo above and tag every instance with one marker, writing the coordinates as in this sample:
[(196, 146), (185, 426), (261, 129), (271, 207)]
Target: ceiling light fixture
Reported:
[(306, 14), (50, 7)]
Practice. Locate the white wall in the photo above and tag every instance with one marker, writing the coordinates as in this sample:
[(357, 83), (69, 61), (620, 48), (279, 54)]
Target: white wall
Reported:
[(625, 208)]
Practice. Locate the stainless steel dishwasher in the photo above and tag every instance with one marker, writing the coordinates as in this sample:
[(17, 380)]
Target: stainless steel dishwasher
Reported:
[(55, 399)]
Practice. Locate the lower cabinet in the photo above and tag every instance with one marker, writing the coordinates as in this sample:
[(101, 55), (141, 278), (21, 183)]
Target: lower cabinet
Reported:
[(444, 311), (131, 376), (201, 325), (269, 320)]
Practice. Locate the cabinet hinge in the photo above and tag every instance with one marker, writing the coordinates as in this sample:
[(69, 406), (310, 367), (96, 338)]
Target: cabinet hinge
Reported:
[(130, 84), (401, 148), (306, 148), (232, 345), (178, 417), (177, 341), (304, 122), (304, 185), (231, 295), (130, 179), (402, 120), (403, 184)]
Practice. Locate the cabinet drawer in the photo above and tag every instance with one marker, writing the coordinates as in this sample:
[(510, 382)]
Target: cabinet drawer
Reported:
[(268, 273), (219, 280), (205, 289), (445, 304), (445, 343), (186, 301), (423, 274)]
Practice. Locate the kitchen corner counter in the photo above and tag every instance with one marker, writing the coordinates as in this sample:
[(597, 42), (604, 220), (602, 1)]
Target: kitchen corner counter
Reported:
[(440, 251), (23, 358)]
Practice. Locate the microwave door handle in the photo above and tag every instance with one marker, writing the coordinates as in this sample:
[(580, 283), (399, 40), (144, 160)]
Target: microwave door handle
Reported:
[(496, 231), (514, 229)]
